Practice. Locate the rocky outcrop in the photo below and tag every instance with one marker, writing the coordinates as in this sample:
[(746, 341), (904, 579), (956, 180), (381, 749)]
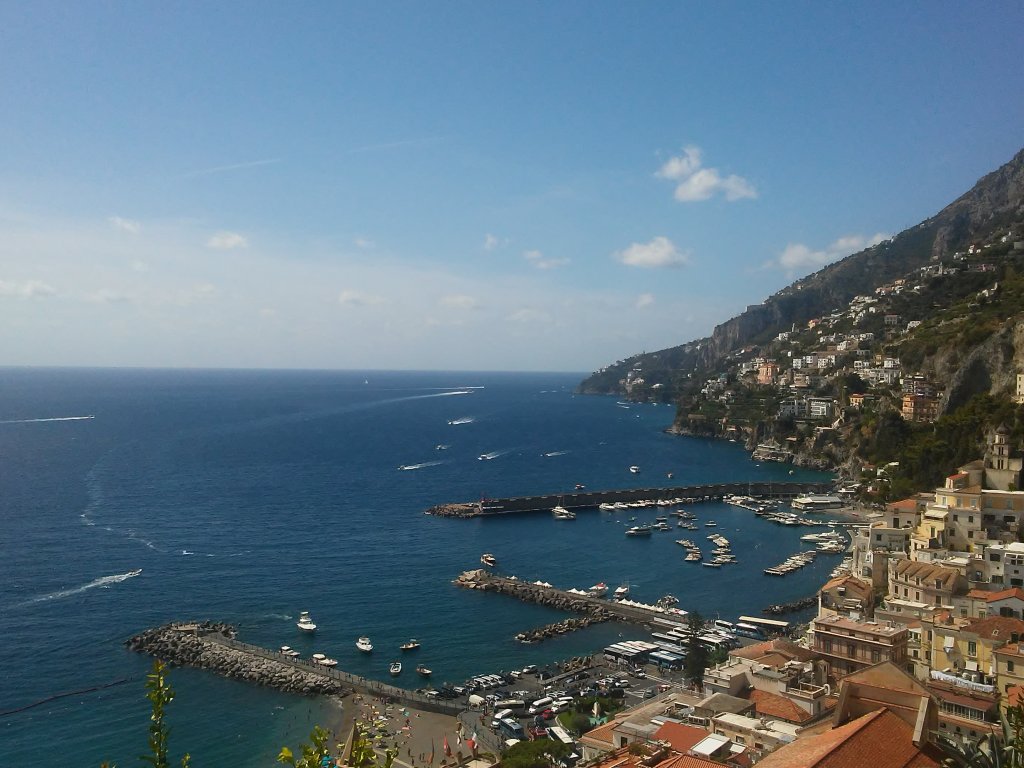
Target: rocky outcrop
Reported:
[(557, 628), (201, 645)]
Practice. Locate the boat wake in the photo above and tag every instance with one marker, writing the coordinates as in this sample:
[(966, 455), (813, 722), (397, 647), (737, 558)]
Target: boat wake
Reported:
[(555, 453), (56, 418), (407, 467), (103, 581), (463, 420), (491, 455)]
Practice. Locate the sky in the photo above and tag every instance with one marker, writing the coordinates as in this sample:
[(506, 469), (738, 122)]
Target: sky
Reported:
[(465, 185)]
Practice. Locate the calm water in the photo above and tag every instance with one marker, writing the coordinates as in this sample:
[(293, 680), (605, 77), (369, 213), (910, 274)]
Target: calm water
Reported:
[(248, 496)]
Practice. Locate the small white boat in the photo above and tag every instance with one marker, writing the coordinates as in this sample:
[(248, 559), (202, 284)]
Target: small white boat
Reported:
[(424, 671), (606, 507), (561, 513), (324, 661), (710, 524), (412, 645), (364, 644), (598, 590), (635, 469), (621, 592), (305, 623), (395, 668), (488, 559), (288, 651), (711, 564)]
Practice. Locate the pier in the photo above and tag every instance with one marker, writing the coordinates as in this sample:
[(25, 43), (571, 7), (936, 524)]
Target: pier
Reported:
[(583, 499), (212, 646)]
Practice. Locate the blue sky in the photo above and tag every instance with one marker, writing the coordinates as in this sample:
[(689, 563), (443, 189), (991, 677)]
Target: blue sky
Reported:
[(464, 185)]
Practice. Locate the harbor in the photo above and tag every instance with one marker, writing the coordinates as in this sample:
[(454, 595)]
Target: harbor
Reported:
[(581, 499)]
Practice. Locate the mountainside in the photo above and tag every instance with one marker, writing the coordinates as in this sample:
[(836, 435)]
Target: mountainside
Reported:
[(994, 202)]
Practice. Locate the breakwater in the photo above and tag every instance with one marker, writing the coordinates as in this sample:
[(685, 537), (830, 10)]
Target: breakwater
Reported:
[(583, 499), (593, 607), (212, 646), (563, 627)]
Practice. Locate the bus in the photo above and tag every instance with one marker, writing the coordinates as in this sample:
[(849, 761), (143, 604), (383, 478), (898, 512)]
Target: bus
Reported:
[(510, 729), (714, 643), (728, 626), (768, 626), (748, 630), (557, 733)]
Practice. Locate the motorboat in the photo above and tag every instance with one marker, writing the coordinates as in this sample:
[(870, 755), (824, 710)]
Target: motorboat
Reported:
[(606, 507), (305, 623), (621, 592), (561, 513), (639, 530), (488, 559), (395, 669), (667, 601), (711, 564), (421, 670), (288, 651), (412, 645), (710, 524), (598, 590), (635, 469), (324, 661), (693, 557), (364, 644)]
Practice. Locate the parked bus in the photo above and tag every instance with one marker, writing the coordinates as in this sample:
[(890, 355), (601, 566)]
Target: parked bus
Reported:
[(749, 630), (724, 625), (769, 626), (510, 729), (558, 733)]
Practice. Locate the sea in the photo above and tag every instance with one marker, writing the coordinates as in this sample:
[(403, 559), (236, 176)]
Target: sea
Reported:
[(130, 498)]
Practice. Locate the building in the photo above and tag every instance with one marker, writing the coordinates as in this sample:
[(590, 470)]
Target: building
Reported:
[(849, 646), (920, 408), (964, 648), (847, 596), (1002, 465), (917, 588)]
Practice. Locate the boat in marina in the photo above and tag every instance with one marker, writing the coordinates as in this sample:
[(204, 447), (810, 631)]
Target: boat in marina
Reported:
[(561, 513), (488, 559), (324, 661), (305, 623), (288, 651), (395, 669), (693, 557), (639, 530), (661, 527), (598, 590), (364, 644), (667, 601), (411, 645), (710, 524), (621, 592), (711, 564), (423, 671), (607, 507)]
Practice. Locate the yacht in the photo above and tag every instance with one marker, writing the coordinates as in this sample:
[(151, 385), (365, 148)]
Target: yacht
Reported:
[(290, 652), (488, 559), (635, 469), (412, 645), (606, 507), (621, 592), (693, 557), (710, 524), (639, 530), (364, 644), (323, 661), (598, 590), (395, 668), (305, 623), (561, 513)]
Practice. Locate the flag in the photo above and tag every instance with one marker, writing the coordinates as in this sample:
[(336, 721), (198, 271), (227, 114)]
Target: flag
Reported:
[(447, 749), (471, 743), (430, 761)]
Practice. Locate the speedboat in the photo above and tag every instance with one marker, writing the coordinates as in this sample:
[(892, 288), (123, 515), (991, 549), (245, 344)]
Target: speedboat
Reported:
[(561, 513), (598, 590), (635, 469), (364, 644), (305, 623), (424, 671), (395, 668), (710, 524), (290, 652), (621, 592), (488, 559), (412, 645), (324, 661), (606, 507)]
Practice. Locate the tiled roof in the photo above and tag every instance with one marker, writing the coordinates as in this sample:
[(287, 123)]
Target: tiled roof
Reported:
[(1015, 695), (780, 646), (680, 736), (927, 572), (1010, 649), (768, 704), (888, 676), (851, 583), (603, 733), (996, 628), (1003, 594), (903, 505), (687, 761), (879, 739)]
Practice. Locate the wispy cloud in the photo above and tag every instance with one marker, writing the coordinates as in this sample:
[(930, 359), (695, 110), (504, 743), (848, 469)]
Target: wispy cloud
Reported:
[(530, 315), (364, 243), (798, 257), (538, 260), (644, 300), (352, 298), (125, 225), (491, 242), (27, 289), (696, 183), (657, 254), (227, 241), (459, 301), (232, 167)]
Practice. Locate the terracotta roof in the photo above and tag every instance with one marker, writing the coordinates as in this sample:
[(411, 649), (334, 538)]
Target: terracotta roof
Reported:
[(913, 569), (965, 697), (1014, 695), (768, 704), (851, 583), (1003, 594), (779, 646), (995, 628), (687, 761), (879, 739), (680, 736), (979, 594), (1010, 649), (903, 505), (603, 733), (888, 676)]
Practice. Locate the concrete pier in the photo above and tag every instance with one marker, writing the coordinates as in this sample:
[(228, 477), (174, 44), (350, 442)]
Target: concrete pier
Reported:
[(583, 499)]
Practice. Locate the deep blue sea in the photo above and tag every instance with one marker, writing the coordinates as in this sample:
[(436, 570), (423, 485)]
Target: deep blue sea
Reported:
[(247, 496)]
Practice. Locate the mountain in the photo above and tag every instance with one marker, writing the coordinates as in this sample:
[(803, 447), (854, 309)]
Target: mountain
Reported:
[(996, 202)]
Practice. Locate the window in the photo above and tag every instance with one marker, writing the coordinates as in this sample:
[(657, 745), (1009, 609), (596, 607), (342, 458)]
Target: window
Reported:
[(994, 557), (876, 656), (1009, 666), (972, 648), (970, 518), (956, 518), (878, 537), (970, 534), (851, 650)]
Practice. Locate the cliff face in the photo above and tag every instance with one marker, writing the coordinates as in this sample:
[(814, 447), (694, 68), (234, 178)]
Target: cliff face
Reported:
[(988, 368)]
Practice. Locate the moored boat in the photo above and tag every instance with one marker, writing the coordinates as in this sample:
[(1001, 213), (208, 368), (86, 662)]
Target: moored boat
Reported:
[(412, 645), (305, 623), (561, 513), (288, 651), (364, 644), (639, 530), (395, 669), (598, 590), (488, 559), (621, 592), (424, 671)]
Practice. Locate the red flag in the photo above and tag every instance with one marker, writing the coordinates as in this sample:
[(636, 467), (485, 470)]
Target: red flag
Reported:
[(431, 760), (447, 749), (471, 742)]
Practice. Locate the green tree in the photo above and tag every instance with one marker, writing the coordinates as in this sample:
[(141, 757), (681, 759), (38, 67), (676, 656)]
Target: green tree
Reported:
[(534, 754), (696, 653)]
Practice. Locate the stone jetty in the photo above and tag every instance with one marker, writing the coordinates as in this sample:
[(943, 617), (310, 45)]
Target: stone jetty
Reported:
[(200, 645), (563, 627)]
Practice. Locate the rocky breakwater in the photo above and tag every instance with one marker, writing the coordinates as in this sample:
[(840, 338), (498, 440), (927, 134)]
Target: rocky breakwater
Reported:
[(461, 509), (542, 595), (211, 645)]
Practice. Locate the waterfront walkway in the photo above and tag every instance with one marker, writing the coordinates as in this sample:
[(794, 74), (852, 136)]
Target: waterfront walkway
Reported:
[(583, 499)]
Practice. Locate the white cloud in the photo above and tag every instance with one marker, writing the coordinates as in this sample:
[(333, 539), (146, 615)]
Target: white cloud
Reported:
[(528, 315), (540, 262), (29, 289), (227, 241), (125, 225), (107, 296), (696, 183), (799, 257), (490, 242), (364, 243), (356, 299), (644, 300), (660, 252), (459, 301)]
